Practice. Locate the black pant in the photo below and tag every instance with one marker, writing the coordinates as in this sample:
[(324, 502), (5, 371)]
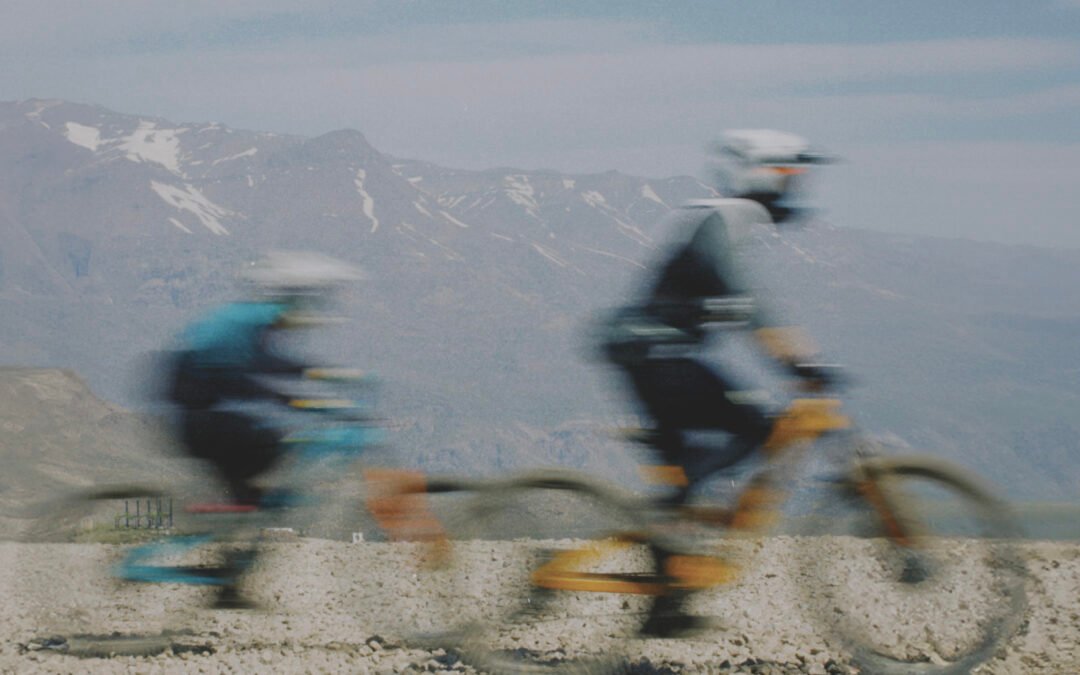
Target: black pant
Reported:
[(235, 444), (682, 394)]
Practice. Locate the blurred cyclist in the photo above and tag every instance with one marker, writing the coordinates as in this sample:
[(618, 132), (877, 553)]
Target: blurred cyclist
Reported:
[(658, 341), (218, 379), (227, 354)]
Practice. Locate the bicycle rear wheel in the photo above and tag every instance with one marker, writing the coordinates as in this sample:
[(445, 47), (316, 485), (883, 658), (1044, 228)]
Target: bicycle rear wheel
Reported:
[(911, 566), (70, 591), (507, 622)]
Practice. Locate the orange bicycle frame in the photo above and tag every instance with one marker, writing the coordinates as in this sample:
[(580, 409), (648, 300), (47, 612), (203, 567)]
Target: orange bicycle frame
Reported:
[(756, 509)]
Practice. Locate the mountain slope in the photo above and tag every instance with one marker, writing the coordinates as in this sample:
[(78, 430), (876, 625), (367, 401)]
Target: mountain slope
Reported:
[(116, 229), (56, 436)]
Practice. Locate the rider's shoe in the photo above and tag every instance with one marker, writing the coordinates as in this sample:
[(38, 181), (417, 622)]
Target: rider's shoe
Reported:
[(668, 620), (673, 626), (229, 597), (278, 498)]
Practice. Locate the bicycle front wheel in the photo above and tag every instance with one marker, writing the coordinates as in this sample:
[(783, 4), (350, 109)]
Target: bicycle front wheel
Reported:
[(912, 567), (555, 574)]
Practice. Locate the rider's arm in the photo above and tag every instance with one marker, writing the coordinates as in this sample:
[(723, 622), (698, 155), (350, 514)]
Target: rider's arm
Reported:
[(267, 361), (251, 386), (275, 364), (786, 344)]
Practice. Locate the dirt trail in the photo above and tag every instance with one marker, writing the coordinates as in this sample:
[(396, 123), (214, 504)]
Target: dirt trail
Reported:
[(344, 608)]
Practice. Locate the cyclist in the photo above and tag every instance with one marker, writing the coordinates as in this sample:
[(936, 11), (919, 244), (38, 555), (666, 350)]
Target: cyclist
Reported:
[(658, 341), (218, 379)]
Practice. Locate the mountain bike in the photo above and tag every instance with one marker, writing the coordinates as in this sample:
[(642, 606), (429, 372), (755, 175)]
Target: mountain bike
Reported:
[(138, 569), (904, 563)]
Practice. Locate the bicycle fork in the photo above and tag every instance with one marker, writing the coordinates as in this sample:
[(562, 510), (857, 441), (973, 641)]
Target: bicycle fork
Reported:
[(899, 529)]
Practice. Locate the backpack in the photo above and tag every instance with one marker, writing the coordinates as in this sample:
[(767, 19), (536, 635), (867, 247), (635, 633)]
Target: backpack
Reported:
[(184, 383), (216, 347)]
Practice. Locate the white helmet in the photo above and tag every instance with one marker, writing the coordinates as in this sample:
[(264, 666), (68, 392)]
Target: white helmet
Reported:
[(303, 279), (763, 165)]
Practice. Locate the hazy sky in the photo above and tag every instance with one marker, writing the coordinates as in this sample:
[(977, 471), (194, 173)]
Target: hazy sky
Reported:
[(956, 117)]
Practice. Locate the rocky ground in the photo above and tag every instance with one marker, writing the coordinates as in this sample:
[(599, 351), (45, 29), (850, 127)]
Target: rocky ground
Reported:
[(349, 608)]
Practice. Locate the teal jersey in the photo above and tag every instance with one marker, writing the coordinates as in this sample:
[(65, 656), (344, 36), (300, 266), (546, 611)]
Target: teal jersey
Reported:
[(229, 336)]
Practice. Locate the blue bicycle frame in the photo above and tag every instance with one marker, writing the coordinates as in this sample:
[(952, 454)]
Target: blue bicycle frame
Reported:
[(332, 446)]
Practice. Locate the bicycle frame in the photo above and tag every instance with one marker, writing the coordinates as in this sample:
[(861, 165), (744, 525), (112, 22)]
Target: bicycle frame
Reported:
[(756, 509), (341, 442)]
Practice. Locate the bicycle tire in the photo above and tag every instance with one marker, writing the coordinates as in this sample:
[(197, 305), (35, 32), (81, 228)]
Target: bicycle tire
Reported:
[(943, 599), (70, 592), (512, 528)]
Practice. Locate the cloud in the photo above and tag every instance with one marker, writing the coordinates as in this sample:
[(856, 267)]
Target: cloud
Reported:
[(58, 27), (578, 95), (601, 98), (993, 190)]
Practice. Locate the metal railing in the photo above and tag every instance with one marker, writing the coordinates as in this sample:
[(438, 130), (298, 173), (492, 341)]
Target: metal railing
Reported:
[(150, 513)]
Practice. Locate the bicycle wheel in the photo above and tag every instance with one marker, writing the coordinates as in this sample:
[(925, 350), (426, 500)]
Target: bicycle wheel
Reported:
[(911, 566), (71, 592), (418, 529), (513, 625)]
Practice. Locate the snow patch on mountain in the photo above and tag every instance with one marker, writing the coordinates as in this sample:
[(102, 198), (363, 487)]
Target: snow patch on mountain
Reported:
[(40, 107), (612, 255), (80, 134), (548, 253), (803, 253), (421, 209), (180, 225), (449, 202), (632, 231), (191, 200), (569, 183), (368, 201), (648, 193), (452, 219), (594, 199), (521, 192), (247, 153), (597, 201), (450, 253), (157, 146)]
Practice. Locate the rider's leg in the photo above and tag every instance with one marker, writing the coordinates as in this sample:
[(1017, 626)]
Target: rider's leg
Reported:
[(241, 448), (682, 394), (237, 446), (253, 448)]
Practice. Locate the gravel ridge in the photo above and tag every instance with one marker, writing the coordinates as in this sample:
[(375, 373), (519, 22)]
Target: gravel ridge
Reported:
[(335, 607)]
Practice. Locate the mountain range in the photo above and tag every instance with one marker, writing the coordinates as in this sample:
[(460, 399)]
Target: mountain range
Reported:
[(116, 229)]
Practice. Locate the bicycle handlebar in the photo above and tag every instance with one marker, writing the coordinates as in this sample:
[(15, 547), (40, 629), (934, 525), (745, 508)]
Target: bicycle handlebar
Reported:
[(821, 377)]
